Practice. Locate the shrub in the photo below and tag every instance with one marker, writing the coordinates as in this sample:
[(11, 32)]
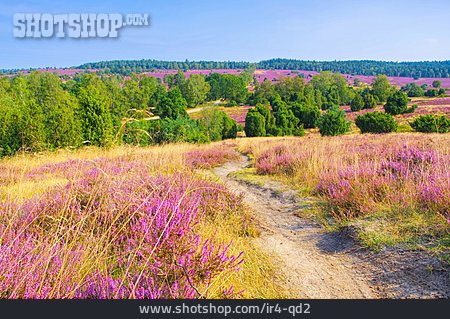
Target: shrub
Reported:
[(397, 103), (370, 101), (179, 130), (437, 84), (376, 122), (254, 124), (218, 124), (333, 122), (411, 109), (431, 93), (431, 124), (357, 103), (308, 115)]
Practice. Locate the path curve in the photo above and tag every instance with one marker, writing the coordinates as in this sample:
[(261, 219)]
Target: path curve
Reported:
[(318, 264)]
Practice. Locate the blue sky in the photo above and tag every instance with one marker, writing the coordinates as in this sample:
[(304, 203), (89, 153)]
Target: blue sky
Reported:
[(242, 30)]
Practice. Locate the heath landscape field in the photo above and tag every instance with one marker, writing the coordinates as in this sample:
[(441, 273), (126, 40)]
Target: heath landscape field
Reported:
[(282, 179)]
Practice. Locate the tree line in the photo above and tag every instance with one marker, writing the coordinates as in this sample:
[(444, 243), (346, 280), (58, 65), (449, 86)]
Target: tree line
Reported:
[(432, 69), (291, 105), (41, 111)]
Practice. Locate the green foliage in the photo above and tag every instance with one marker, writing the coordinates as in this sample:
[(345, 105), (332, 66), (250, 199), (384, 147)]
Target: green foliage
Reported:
[(231, 87), (60, 120), (11, 126), (175, 80), (254, 124), (285, 121), (381, 88), (411, 109), (370, 100), (307, 114), (397, 103), (180, 129), (431, 93), (170, 104), (290, 88), (435, 69), (376, 122), (413, 90), (333, 122), (357, 103), (334, 87), (195, 90), (95, 114), (431, 124), (137, 132), (218, 124), (437, 84)]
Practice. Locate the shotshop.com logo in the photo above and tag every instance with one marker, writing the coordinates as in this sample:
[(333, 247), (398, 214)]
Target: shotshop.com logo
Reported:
[(74, 25)]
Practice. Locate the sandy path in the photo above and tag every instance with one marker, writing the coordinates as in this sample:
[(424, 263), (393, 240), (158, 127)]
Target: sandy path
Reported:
[(322, 265)]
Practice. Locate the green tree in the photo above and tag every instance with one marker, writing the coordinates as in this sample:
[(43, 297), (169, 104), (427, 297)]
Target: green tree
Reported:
[(307, 114), (431, 124), (357, 103), (33, 117), (333, 122), (254, 124), (269, 119), (218, 124), (376, 122), (397, 103), (62, 125), (11, 125), (370, 100), (196, 89), (437, 84), (381, 87), (95, 114)]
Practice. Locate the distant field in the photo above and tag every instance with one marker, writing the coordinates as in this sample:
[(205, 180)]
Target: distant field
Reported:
[(271, 75), (274, 75), (425, 106)]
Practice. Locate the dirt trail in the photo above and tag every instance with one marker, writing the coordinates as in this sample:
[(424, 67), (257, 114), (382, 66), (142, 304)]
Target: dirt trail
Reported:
[(317, 264)]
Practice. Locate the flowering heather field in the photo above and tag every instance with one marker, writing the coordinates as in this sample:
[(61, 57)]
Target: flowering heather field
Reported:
[(161, 73), (125, 223), (425, 106), (273, 75), (207, 158), (237, 113), (406, 177)]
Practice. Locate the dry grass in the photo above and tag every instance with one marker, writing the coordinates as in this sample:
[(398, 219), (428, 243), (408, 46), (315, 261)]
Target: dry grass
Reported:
[(36, 176), (393, 188)]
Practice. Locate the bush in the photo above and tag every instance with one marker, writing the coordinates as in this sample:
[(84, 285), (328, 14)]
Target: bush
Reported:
[(308, 115), (376, 122), (218, 124), (431, 93), (437, 84), (431, 124), (333, 122), (370, 101), (254, 124), (357, 103), (397, 103), (411, 109)]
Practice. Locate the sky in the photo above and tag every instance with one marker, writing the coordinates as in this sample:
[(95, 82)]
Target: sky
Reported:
[(239, 30)]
